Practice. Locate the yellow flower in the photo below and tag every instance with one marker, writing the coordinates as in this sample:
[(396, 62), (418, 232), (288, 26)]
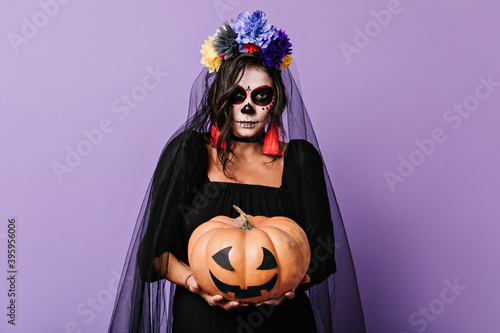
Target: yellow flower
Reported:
[(210, 58), (286, 61)]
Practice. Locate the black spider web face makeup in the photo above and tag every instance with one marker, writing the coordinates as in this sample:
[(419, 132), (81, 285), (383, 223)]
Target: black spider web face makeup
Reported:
[(261, 95)]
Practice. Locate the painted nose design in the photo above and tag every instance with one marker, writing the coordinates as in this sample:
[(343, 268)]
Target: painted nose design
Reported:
[(248, 109)]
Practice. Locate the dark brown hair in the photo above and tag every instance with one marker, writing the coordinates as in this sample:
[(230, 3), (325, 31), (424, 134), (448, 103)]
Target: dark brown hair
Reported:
[(229, 74)]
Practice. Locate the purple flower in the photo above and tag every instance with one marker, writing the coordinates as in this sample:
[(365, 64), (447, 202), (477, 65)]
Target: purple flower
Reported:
[(279, 47), (253, 29)]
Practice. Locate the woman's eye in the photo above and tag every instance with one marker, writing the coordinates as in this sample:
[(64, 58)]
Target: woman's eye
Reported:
[(262, 96), (238, 96)]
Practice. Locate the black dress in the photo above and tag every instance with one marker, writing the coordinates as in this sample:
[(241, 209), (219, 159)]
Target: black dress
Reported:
[(302, 197)]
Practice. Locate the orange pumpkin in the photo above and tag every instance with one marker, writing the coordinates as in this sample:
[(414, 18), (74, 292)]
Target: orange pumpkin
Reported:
[(249, 259)]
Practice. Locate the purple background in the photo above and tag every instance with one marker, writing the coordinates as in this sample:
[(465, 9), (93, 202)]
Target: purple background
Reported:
[(410, 242)]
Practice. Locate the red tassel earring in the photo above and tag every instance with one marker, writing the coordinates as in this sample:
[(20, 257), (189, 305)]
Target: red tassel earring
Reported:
[(214, 137), (271, 141)]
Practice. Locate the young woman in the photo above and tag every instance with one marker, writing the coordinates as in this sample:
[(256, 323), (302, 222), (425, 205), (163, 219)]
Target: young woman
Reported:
[(235, 150)]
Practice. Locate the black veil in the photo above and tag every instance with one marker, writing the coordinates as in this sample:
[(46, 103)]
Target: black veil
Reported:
[(144, 300)]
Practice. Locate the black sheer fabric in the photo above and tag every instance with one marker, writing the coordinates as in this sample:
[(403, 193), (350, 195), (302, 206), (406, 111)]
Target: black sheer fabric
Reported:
[(180, 196)]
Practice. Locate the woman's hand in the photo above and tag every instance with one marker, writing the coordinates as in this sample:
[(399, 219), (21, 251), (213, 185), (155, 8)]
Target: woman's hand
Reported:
[(289, 294), (212, 300)]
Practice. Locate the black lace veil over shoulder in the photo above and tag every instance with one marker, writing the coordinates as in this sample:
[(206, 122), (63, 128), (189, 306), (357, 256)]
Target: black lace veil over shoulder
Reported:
[(144, 299)]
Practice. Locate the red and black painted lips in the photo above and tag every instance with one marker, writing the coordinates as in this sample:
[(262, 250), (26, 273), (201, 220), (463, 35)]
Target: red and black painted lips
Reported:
[(268, 262)]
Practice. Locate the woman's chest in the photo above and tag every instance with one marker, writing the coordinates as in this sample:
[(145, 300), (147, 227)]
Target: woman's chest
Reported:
[(212, 199)]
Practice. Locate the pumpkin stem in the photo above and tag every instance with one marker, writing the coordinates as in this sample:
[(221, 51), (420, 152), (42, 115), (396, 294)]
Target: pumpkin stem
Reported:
[(246, 224)]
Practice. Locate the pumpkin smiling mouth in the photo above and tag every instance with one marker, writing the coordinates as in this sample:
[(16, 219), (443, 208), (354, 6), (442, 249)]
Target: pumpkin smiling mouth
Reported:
[(252, 291)]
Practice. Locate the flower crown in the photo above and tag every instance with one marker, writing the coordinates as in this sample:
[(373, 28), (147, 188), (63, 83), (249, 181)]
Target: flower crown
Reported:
[(249, 34)]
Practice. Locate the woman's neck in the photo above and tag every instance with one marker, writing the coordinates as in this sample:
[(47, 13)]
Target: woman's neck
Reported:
[(252, 139), (246, 150)]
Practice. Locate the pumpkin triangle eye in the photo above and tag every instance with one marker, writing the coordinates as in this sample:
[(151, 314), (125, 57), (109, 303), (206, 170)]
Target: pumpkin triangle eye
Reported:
[(268, 262), (222, 258)]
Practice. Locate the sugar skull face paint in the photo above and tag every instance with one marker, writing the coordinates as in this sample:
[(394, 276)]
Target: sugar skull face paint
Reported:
[(252, 103), (261, 96)]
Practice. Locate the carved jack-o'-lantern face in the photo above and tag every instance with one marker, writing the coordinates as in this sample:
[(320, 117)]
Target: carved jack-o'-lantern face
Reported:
[(249, 262)]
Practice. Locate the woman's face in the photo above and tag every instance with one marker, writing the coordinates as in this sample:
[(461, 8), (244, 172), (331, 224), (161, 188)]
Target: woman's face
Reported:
[(252, 103)]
